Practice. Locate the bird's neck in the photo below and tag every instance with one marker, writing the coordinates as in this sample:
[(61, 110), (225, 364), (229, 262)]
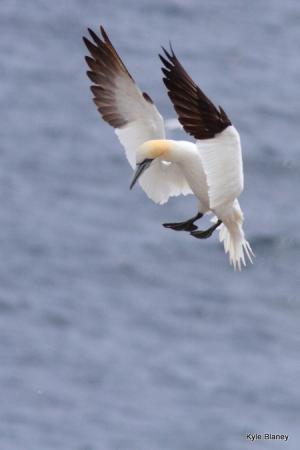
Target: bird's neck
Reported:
[(181, 151)]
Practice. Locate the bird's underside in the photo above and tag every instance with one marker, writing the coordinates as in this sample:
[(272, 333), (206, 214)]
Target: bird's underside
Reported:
[(136, 121), (112, 81), (196, 112)]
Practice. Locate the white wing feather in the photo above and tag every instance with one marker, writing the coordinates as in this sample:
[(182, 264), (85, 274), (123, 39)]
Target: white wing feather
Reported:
[(144, 122), (132, 114), (222, 162), (162, 180)]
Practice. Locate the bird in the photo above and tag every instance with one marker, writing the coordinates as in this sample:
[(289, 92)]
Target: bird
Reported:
[(210, 168)]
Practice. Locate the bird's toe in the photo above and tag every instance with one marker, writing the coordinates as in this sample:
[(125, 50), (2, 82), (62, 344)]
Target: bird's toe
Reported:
[(182, 226), (201, 234)]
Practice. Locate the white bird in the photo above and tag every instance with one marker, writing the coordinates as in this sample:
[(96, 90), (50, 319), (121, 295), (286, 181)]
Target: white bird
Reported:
[(211, 168)]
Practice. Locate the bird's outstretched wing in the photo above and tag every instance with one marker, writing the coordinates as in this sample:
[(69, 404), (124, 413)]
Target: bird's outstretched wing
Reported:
[(217, 140), (132, 113), (197, 114)]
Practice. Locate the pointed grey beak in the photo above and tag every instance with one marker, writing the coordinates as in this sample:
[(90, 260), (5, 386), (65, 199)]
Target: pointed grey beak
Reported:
[(140, 168)]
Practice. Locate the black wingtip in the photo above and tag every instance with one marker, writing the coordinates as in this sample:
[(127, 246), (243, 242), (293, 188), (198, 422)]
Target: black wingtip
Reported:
[(94, 36), (167, 53), (86, 42), (163, 60), (165, 71), (167, 64), (171, 48), (224, 116), (104, 34)]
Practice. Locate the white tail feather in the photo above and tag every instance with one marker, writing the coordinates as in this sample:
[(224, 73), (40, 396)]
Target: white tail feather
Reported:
[(235, 244)]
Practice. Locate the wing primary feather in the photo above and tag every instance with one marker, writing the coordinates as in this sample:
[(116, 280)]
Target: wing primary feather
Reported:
[(94, 37), (185, 94)]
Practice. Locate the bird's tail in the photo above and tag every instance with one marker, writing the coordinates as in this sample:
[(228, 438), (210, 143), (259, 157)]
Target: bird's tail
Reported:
[(233, 237)]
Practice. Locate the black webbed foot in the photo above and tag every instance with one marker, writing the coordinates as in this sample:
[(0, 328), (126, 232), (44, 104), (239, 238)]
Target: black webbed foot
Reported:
[(204, 234), (187, 225), (181, 226)]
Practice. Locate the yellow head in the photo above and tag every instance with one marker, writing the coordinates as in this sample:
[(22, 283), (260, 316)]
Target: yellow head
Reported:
[(148, 152), (153, 149)]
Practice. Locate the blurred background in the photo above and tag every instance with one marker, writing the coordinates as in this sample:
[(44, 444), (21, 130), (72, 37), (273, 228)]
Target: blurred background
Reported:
[(116, 333)]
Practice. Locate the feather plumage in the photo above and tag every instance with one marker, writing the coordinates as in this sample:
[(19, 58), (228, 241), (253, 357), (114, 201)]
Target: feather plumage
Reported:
[(132, 113)]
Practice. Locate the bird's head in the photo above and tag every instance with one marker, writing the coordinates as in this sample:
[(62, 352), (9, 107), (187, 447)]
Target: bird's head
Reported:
[(148, 152)]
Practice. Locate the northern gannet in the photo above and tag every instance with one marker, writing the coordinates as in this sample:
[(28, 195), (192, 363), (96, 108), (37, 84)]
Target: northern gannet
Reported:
[(211, 168)]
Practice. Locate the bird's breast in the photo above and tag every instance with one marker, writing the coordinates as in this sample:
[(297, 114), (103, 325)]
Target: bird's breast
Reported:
[(192, 168)]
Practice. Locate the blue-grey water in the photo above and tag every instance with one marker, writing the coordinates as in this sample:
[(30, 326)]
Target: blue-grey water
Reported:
[(115, 333)]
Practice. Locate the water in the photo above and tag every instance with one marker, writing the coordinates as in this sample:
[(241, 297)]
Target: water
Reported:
[(114, 332)]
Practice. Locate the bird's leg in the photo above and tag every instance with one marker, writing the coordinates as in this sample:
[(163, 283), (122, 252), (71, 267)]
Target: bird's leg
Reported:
[(204, 234), (188, 225)]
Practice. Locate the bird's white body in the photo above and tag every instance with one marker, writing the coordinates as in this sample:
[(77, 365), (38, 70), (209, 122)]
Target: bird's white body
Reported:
[(186, 156), (211, 168), (190, 163)]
